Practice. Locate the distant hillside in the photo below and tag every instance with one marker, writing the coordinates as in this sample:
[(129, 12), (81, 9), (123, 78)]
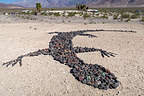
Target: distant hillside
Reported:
[(91, 3), (9, 6), (116, 3)]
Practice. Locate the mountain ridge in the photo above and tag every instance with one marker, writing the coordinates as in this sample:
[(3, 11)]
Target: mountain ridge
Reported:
[(90, 3), (2, 5)]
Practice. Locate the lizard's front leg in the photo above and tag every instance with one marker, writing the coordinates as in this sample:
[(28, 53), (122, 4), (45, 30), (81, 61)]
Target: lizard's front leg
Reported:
[(86, 49), (19, 58)]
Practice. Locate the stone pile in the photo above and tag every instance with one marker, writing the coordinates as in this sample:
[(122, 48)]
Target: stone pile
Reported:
[(62, 50)]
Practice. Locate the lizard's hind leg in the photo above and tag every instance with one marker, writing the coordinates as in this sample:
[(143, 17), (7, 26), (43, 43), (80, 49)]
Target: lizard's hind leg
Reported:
[(89, 35)]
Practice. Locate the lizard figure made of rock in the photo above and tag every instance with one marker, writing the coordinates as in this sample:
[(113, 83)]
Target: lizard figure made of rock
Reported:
[(62, 50)]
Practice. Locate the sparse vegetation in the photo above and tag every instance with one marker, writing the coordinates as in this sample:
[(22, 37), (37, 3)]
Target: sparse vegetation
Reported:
[(127, 20), (50, 13), (142, 19), (125, 15), (70, 14), (56, 14), (104, 16), (45, 14), (81, 14), (134, 16), (86, 15), (115, 16)]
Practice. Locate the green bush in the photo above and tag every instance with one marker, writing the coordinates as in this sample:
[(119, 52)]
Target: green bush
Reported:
[(33, 13), (134, 16), (56, 14), (142, 19), (50, 13), (125, 15), (81, 14), (115, 16), (85, 15), (43, 14), (97, 14), (70, 14), (128, 19), (104, 17)]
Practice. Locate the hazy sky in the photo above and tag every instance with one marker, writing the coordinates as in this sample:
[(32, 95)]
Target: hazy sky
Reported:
[(8, 1)]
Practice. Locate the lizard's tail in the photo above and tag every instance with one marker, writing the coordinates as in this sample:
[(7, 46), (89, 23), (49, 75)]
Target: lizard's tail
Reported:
[(98, 30), (95, 75)]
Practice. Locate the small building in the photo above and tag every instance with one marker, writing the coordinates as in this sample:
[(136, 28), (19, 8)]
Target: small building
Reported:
[(92, 10), (56, 11), (26, 11)]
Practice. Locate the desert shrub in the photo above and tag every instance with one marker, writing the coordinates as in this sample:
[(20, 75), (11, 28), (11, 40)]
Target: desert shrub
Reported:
[(134, 16), (137, 13), (115, 16), (44, 13), (81, 14), (97, 14), (63, 14), (27, 18), (121, 19), (56, 14), (33, 13), (110, 14), (85, 15), (25, 13), (142, 19), (50, 13), (70, 14), (22, 17), (128, 19), (104, 16), (125, 15)]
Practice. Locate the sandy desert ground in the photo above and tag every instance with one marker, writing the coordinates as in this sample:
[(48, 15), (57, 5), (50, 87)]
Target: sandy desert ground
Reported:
[(43, 76)]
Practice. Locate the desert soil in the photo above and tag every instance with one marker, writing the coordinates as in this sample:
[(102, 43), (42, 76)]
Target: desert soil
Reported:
[(43, 76)]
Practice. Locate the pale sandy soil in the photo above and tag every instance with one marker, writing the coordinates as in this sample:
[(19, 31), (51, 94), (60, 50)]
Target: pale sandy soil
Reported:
[(42, 76)]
